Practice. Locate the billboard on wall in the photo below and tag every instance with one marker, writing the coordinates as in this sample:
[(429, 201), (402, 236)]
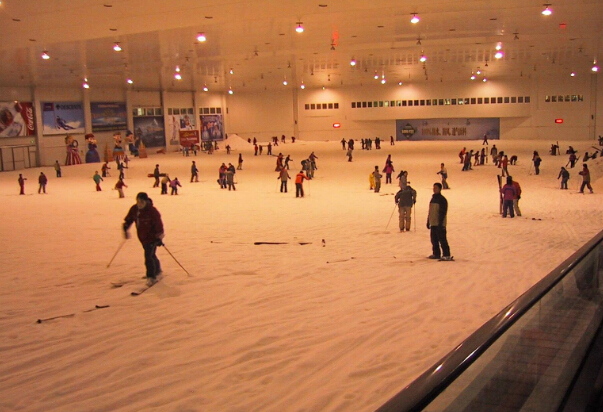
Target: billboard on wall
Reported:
[(108, 116), (177, 120), (189, 137), (150, 129), (212, 127), (16, 119), (448, 129), (63, 118)]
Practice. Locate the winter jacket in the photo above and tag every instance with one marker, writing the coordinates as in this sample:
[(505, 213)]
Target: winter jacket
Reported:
[(97, 179), (508, 192), (284, 175), (406, 197), (564, 174), (585, 173), (517, 190), (299, 178), (148, 223), (42, 179), (389, 169), (438, 208), (175, 183), (378, 176)]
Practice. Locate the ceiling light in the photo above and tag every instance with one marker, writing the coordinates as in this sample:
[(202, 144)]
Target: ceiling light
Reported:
[(230, 90), (201, 37), (376, 76), (478, 71), (45, 55), (205, 88), (547, 11), (324, 88), (383, 81), (353, 62), (177, 76), (415, 19), (299, 28), (117, 47), (129, 81), (498, 55), (285, 82), (485, 80), (498, 46), (85, 85), (573, 74), (177, 69), (400, 83), (423, 58), (595, 68), (231, 71), (472, 76), (303, 86)]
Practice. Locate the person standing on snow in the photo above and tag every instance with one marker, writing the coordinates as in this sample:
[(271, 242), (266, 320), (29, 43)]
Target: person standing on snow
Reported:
[(156, 176), (97, 179), (119, 186), (299, 183), (240, 165), (194, 172), (230, 172), (388, 170), (57, 168), (42, 180), (585, 173), (21, 181), (284, 176), (378, 177), (174, 185), (517, 197), (444, 173), (536, 159), (405, 199), (436, 223), (509, 193), (564, 175), (164, 184), (149, 228)]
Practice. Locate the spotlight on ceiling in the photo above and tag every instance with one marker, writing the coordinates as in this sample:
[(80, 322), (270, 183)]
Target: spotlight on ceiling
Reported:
[(383, 81), (177, 76), (205, 88), (129, 81), (353, 62), (117, 47), (231, 71), (177, 69), (230, 91), (299, 28), (472, 76), (45, 55), (595, 68), (498, 55), (478, 72), (201, 37), (302, 86), (547, 10), (376, 76), (400, 83), (573, 74), (85, 85), (485, 80), (285, 82), (423, 58), (498, 46), (415, 19)]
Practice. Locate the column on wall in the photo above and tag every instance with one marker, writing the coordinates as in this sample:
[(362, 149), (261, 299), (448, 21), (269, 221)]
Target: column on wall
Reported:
[(37, 104)]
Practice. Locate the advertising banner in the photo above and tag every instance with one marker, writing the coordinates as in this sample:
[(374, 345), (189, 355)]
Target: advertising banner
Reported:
[(448, 129), (150, 129), (212, 127), (189, 137), (108, 116), (63, 118), (16, 119), (177, 120)]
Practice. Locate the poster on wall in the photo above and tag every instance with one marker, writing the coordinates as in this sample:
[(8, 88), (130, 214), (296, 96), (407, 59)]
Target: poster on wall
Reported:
[(177, 120), (150, 129), (16, 119), (108, 116), (212, 127), (448, 129), (189, 137), (63, 118)]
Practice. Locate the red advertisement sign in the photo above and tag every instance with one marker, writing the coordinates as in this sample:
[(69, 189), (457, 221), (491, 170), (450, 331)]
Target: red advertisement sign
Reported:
[(189, 137), (16, 119)]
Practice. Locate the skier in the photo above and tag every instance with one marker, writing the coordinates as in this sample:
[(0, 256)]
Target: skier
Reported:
[(513, 160), (57, 168), (378, 143), (405, 199), (261, 149), (349, 155), (299, 183), (351, 144), (287, 160), (482, 157), (240, 165), (403, 176), (494, 154), (97, 179), (222, 176), (371, 181), (391, 140), (21, 181), (462, 155), (476, 159), (444, 173), (292, 139), (284, 176), (509, 193), (156, 176), (42, 180), (174, 185), (120, 167), (343, 142), (255, 149), (230, 172), (572, 160), (536, 159), (504, 164), (378, 177), (227, 149), (105, 170), (164, 184), (517, 197), (485, 142), (149, 228), (585, 173), (279, 162), (313, 158), (194, 172), (119, 186), (388, 170), (269, 151), (436, 223), (564, 175)]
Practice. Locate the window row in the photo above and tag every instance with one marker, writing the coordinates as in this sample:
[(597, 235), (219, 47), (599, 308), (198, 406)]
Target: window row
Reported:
[(442, 102), (567, 98), (189, 110), (210, 110), (321, 106), (147, 111)]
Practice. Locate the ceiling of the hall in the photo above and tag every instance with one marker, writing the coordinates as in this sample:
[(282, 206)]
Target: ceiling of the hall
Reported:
[(257, 39)]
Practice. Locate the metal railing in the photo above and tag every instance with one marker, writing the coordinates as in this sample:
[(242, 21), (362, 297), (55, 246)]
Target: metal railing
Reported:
[(527, 356)]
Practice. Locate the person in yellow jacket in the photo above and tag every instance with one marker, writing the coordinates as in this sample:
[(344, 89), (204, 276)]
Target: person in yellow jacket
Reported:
[(371, 181)]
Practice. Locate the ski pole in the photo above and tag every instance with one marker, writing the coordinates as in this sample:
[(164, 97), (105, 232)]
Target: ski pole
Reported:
[(116, 252), (176, 260), (390, 218)]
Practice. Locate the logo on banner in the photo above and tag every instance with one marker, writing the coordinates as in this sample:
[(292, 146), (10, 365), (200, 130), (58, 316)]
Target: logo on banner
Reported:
[(408, 131)]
